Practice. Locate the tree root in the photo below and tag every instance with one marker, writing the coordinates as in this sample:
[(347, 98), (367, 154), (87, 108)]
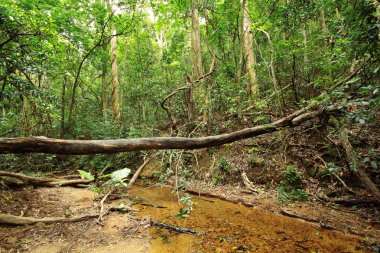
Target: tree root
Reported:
[(17, 220), (46, 182)]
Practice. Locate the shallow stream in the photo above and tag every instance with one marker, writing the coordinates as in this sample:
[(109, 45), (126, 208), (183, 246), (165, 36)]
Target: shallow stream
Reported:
[(229, 227)]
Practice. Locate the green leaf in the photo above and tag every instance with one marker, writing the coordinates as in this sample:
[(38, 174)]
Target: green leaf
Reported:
[(374, 165), (353, 80), (120, 174), (86, 175)]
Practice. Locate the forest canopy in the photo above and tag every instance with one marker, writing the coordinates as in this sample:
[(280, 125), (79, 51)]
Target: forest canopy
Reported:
[(102, 69)]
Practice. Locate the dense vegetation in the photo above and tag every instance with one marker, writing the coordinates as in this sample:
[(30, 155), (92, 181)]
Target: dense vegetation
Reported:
[(56, 65), (125, 69)]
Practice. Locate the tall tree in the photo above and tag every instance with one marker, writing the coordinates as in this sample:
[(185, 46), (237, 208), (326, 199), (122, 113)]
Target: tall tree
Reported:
[(114, 74), (196, 54), (249, 55)]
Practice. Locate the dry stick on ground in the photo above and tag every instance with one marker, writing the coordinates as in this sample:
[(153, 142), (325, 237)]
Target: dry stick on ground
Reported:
[(47, 182), (17, 220)]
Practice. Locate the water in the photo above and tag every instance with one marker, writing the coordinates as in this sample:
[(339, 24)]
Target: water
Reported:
[(229, 227)]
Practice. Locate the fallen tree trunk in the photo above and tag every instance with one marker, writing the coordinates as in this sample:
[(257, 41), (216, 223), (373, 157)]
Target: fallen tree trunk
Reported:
[(47, 182), (42, 144), (17, 220)]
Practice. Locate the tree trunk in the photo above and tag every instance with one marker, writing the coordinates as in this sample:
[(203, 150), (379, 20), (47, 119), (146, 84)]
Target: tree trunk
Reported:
[(114, 80), (322, 20), (81, 147), (62, 134), (104, 83), (196, 42), (196, 53), (114, 73), (27, 131), (304, 36), (63, 94), (249, 55)]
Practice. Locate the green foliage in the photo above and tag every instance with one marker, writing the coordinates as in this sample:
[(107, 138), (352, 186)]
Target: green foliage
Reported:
[(86, 175), (187, 206), (255, 161), (291, 176), (118, 178), (290, 187), (290, 194), (225, 166)]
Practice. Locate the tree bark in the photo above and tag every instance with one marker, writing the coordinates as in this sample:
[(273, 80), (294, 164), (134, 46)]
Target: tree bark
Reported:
[(323, 20), (104, 83), (249, 55), (81, 147), (114, 80), (196, 55)]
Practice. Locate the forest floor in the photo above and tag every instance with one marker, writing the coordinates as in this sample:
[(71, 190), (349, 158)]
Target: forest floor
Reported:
[(228, 217), (225, 227)]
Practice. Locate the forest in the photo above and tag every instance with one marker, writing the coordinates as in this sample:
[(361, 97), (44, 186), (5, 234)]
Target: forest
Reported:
[(189, 126)]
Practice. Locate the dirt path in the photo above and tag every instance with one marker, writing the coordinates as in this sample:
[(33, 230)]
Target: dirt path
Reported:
[(86, 236)]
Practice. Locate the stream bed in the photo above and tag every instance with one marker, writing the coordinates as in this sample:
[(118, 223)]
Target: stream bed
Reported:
[(228, 227)]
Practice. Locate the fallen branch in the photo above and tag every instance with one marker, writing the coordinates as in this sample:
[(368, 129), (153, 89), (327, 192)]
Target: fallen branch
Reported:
[(47, 182), (137, 173), (198, 192), (170, 227), (174, 228), (351, 161), (352, 202), (321, 224), (152, 205), (355, 167), (17, 220)]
